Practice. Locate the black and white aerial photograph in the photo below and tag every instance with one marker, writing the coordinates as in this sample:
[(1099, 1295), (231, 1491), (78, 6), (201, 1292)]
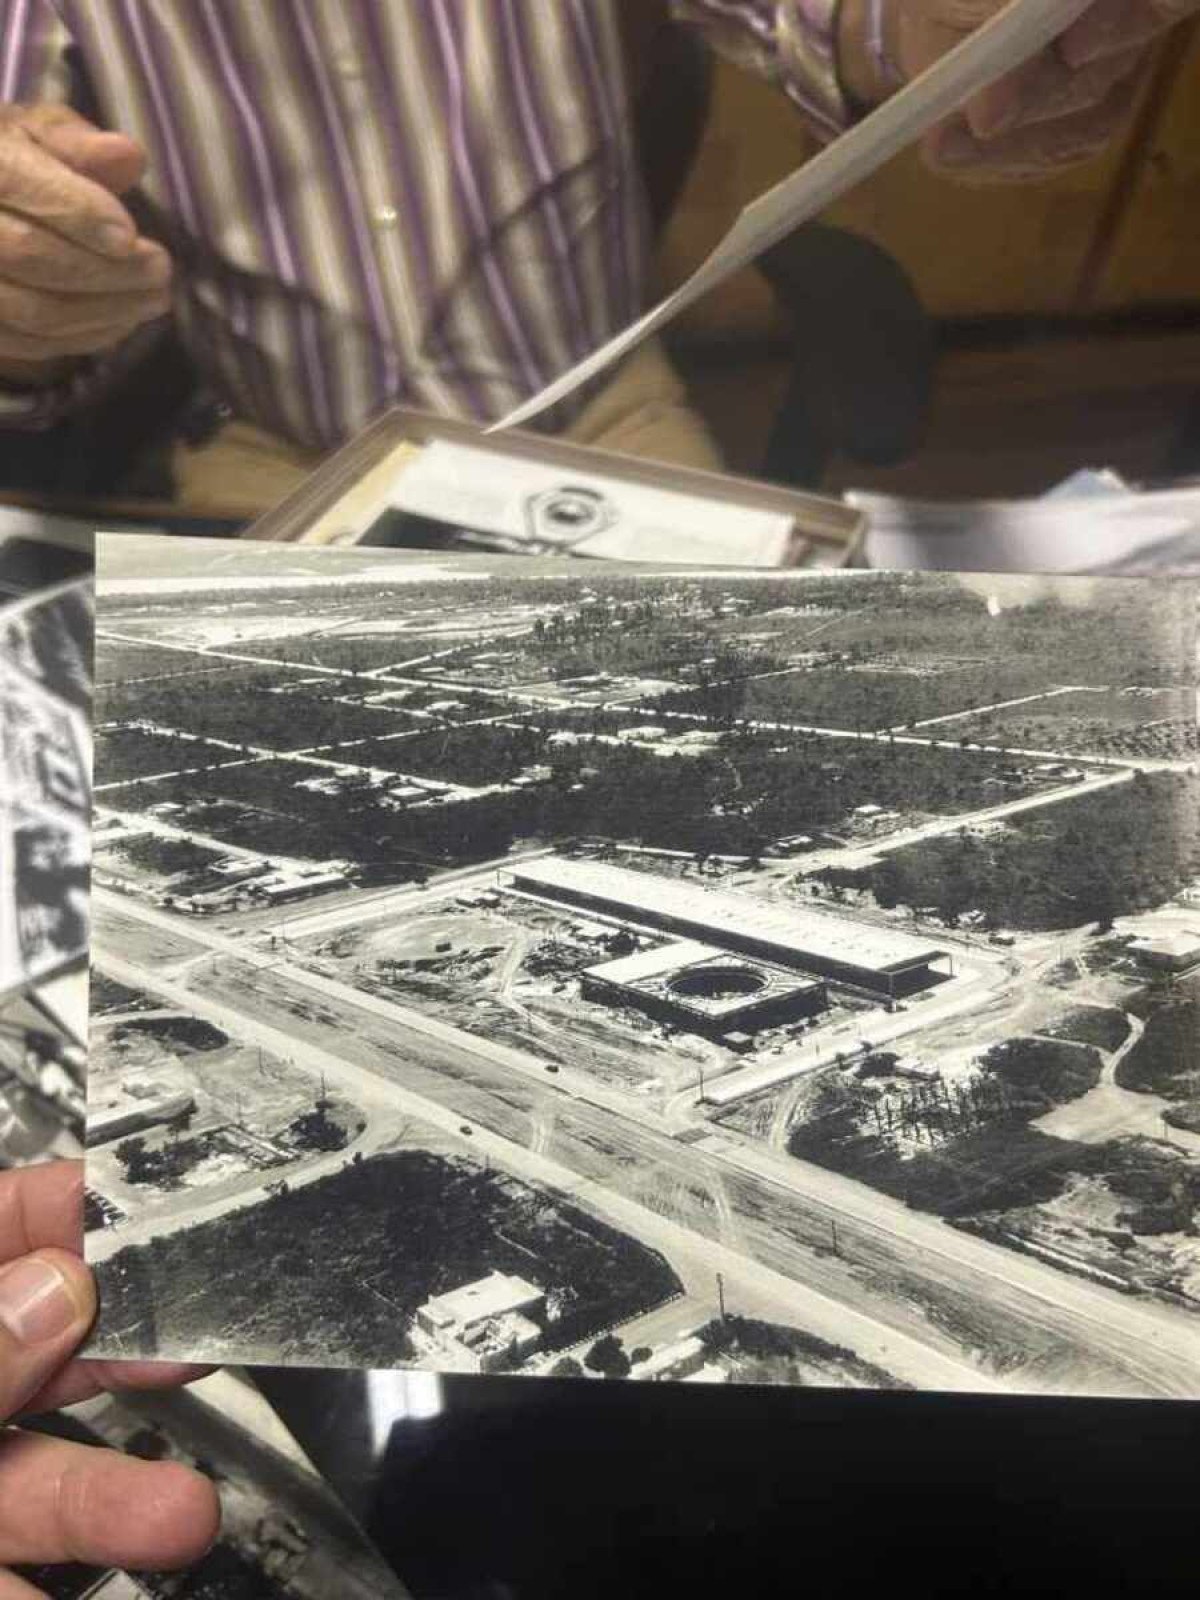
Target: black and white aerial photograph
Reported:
[(656, 974), (45, 752)]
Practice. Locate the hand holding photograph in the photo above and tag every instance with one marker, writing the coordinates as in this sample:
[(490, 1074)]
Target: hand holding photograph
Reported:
[(779, 977)]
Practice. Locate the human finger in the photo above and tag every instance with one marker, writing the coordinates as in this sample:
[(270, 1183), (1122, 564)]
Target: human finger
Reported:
[(41, 1206), (36, 325), (36, 185), (64, 1502), (47, 1305), (1032, 151), (111, 159), (84, 1380), (14, 1588), (1113, 25), (1045, 88), (31, 254)]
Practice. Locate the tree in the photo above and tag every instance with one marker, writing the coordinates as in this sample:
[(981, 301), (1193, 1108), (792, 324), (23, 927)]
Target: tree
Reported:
[(181, 1122), (567, 1367), (317, 1130), (607, 1357), (129, 1150)]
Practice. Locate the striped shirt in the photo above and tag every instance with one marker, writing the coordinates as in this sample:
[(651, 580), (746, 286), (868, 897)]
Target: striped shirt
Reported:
[(370, 202)]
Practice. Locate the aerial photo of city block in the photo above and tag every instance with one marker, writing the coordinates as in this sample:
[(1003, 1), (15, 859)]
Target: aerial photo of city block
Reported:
[(710, 977)]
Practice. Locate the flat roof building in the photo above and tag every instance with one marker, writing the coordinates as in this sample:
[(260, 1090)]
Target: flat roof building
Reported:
[(678, 1360), (122, 1115), (287, 888), (857, 954), (1176, 952), (482, 1327), (705, 990), (492, 1296)]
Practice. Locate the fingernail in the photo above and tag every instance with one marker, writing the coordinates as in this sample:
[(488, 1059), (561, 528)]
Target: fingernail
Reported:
[(115, 239), (36, 1303)]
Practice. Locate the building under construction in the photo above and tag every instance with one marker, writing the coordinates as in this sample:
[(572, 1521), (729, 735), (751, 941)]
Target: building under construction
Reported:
[(705, 990), (839, 950)]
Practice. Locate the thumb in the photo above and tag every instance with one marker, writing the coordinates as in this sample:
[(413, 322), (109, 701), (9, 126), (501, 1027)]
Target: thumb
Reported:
[(113, 160), (47, 1303)]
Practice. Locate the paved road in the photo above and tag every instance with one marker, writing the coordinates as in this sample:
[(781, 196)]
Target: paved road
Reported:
[(1000, 705), (143, 822), (853, 857), (322, 756), (204, 653), (364, 906), (523, 696), (907, 1291), (962, 994), (753, 1286), (858, 736)]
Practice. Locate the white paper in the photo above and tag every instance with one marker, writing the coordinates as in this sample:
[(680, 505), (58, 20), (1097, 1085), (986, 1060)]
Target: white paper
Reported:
[(513, 499), (1090, 483), (1018, 32), (1121, 532)]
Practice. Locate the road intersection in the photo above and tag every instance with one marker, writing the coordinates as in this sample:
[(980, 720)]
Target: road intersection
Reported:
[(885, 1293), (938, 1307)]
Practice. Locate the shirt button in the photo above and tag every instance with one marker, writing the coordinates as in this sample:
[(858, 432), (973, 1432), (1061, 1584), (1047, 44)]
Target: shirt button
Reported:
[(386, 217)]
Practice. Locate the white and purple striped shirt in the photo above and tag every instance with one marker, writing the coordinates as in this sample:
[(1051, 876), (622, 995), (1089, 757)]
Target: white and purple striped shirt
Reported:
[(431, 202)]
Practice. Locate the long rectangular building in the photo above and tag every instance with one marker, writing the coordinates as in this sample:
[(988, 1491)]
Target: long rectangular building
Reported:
[(857, 954)]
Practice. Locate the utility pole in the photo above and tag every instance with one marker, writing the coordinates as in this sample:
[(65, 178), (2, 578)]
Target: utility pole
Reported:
[(721, 1295), (701, 1083), (833, 1229)]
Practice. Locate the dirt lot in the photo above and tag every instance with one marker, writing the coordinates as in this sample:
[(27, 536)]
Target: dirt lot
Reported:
[(160, 865), (509, 973), (107, 997), (1093, 1228), (119, 932), (162, 1054), (221, 1073)]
